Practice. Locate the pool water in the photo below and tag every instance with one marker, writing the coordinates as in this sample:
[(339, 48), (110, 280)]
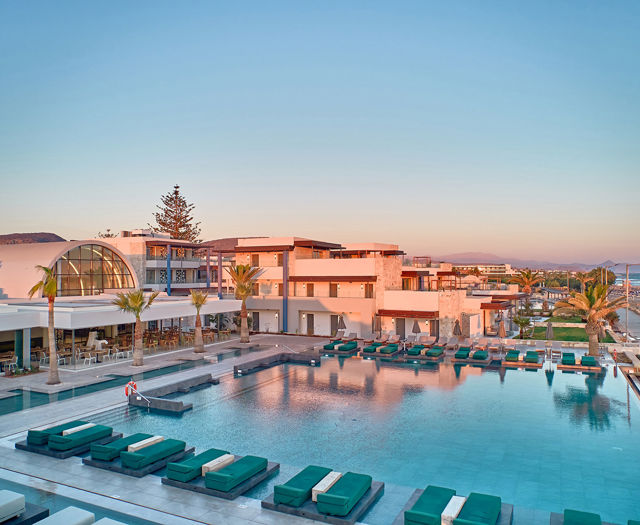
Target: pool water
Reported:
[(55, 502), (28, 399), (541, 439)]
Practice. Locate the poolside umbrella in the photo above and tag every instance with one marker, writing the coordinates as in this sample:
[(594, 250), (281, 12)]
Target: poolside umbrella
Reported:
[(502, 332), (416, 327), (549, 335), (341, 325), (456, 328), (549, 374), (377, 325)]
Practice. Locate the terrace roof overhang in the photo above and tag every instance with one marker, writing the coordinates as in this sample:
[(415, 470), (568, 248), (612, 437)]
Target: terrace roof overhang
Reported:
[(415, 273), (412, 314), (73, 315), (365, 252), (333, 278), (503, 305), (508, 297), (175, 243)]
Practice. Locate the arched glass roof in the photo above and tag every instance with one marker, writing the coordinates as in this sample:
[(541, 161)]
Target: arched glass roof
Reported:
[(89, 269)]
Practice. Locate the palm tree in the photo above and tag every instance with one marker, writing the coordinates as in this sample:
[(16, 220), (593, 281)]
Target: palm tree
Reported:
[(526, 279), (244, 278), (584, 278), (198, 298), (135, 303), (594, 306), (522, 322), (49, 287)]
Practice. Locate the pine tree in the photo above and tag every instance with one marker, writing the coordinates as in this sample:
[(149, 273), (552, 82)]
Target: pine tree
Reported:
[(175, 217)]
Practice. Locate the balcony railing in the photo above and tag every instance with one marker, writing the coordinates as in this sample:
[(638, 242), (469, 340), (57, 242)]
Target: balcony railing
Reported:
[(174, 258)]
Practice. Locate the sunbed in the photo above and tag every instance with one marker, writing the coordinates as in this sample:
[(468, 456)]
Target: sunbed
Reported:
[(332, 345), (568, 358), (588, 360), (348, 347), (410, 341), (390, 348), (382, 339), (531, 356), (480, 355), (576, 517), (338, 336), (434, 351), (415, 350), (351, 337), (481, 344), (452, 343), (225, 479), (298, 489), (70, 516), (428, 509), (394, 340), (77, 439), (512, 356), (151, 454), (495, 345), (41, 437), (12, 504), (509, 344), (427, 340), (343, 496), (192, 468), (373, 347), (479, 509), (466, 343), (462, 353), (112, 450)]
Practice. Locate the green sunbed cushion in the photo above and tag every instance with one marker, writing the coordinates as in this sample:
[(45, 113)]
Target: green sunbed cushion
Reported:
[(568, 358), (389, 349), (481, 355), (633, 522), (428, 509), (512, 355), (576, 517), (79, 438), (112, 450), (298, 489), (370, 349), (351, 345), (463, 353), (479, 509), (192, 468), (588, 360), (531, 357), (331, 346), (151, 454), (234, 474), (415, 350), (342, 497), (436, 351), (41, 437)]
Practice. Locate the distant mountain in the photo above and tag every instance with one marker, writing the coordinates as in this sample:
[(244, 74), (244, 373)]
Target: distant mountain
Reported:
[(27, 238), (491, 258)]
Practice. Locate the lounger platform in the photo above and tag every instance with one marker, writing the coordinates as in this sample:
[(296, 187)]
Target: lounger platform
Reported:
[(32, 514), (116, 464), (197, 485), (310, 509), (520, 364), (579, 368), (64, 454), (558, 519), (506, 512)]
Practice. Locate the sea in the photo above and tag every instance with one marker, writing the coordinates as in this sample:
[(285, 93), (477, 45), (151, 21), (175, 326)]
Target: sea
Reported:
[(634, 279), (634, 318)]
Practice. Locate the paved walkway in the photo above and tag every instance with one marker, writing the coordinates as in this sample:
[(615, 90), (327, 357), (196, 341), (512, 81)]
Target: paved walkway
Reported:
[(143, 497)]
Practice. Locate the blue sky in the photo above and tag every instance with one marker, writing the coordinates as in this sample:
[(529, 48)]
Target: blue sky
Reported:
[(504, 127)]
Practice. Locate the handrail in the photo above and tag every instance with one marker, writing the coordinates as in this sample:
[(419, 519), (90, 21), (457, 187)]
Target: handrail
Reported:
[(141, 395)]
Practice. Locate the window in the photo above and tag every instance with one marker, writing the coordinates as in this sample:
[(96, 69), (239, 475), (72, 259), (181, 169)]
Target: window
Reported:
[(280, 289), (406, 283), (368, 291), (255, 259), (151, 276), (333, 290), (90, 269), (256, 289), (309, 289), (280, 259)]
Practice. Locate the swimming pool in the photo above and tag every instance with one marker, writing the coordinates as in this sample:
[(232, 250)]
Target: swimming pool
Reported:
[(541, 439), (24, 399)]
